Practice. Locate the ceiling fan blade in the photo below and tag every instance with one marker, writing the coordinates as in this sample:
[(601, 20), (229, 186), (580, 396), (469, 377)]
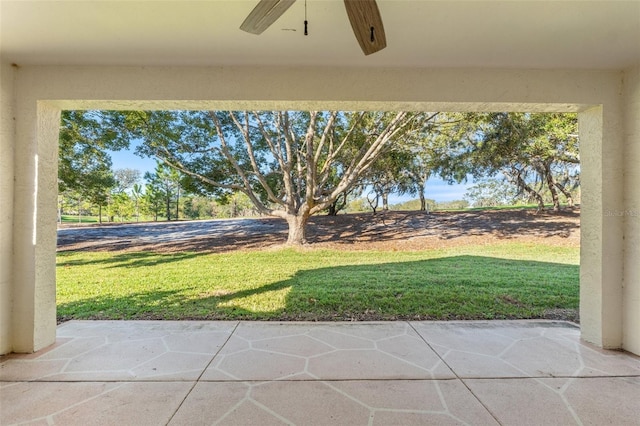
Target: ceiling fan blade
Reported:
[(367, 24), (264, 14)]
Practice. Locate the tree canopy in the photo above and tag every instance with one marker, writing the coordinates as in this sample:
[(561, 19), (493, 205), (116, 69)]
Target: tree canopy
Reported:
[(537, 153), (294, 164), (290, 164)]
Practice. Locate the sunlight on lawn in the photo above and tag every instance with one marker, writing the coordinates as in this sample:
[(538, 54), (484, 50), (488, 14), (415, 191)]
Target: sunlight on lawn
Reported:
[(504, 280), (267, 301)]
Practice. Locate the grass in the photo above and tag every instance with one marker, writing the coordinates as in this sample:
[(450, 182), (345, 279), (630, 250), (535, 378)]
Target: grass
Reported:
[(474, 282), (494, 208), (75, 219)]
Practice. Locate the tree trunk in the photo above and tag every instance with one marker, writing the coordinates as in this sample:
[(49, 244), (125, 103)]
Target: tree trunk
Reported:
[(297, 229), (540, 201), (423, 202), (337, 205), (551, 184), (515, 176), (566, 193), (423, 197), (385, 201), (178, 204), (373, 203)]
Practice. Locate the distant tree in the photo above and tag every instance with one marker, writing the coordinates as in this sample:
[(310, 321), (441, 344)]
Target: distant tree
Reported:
[(358, 205), (491, 192), (343, 200), (152, 201), (96, 186), (165, 185), (388, 175), (415, 205), (121, 206), (197, 207), (72, 202), (535, 152), (120, 201), (452, 205), (418, 172), (430, 152), (137, 193), (84, 165), (235, 205), (125, 179), (339, 204)]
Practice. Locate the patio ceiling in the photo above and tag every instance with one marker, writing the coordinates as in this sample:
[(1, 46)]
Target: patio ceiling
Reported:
[(509, 34)]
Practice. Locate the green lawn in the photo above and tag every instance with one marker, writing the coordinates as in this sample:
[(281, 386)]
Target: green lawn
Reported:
[(82, 219), (71, 219), (476, 282)]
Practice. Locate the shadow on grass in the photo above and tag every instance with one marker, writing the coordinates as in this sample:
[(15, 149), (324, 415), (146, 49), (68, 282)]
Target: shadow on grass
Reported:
[(126, 259), (456, 287)]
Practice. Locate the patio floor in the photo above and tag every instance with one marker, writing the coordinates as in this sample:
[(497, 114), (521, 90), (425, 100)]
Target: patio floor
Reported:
[(244, 373)]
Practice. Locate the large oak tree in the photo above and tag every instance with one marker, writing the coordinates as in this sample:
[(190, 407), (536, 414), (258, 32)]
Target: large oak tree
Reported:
[(291, 164)]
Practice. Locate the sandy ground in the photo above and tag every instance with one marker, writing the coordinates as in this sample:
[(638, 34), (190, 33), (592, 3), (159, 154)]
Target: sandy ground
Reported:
[(382, 231)]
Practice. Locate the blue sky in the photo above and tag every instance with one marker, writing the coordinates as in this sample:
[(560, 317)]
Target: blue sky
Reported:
[(128, 160), (437, 189)]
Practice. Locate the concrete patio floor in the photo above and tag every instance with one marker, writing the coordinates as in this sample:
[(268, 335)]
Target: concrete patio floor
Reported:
[(245, 373)]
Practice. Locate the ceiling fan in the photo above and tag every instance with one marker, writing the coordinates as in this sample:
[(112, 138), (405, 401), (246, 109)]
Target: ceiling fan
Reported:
[(363, 14)]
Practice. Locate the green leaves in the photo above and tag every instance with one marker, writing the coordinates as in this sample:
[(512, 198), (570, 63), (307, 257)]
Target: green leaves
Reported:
[(536, 153), (163, 191), (84, 165)]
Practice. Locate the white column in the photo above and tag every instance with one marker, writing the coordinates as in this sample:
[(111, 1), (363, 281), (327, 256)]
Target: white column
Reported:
[(33, 318), (631, 289), (7, 143), (601, 261)]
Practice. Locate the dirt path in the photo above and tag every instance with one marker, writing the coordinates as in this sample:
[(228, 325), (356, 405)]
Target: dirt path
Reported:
[(383, 231)]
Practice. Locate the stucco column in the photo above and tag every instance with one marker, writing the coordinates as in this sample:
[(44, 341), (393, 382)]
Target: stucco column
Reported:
[(7, 139), (631, 289), (33, 319), (601, 248)]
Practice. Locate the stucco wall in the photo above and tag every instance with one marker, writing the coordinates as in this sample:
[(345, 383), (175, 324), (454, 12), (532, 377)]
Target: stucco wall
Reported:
[(42, 91), (601, 254), (34, 232), (631, 292), (7, 131)]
